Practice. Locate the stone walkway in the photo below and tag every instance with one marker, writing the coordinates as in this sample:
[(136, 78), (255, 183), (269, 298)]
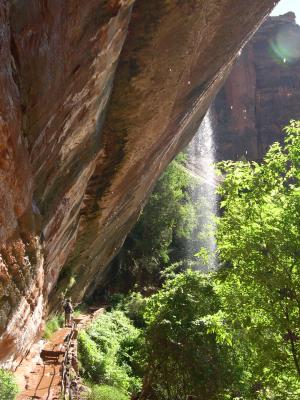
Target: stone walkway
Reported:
[(40, 373)]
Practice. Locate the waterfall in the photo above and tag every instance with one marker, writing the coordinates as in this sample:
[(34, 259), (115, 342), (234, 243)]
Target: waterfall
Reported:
[(201, 157)]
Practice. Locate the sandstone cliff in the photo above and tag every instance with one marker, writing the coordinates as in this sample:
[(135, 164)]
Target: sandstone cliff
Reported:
[(97, 97), (262, 93)]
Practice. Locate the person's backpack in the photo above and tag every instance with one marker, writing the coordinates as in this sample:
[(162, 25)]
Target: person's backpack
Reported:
[(68, 308)]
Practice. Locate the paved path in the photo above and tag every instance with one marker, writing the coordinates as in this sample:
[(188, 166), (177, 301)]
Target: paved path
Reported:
[(39, 375)]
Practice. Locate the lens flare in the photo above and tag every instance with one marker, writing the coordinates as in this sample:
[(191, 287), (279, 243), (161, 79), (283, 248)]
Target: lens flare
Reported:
[(286, 45)]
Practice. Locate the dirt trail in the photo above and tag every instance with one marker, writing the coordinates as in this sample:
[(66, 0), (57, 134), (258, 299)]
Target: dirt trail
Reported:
[(40, 374)]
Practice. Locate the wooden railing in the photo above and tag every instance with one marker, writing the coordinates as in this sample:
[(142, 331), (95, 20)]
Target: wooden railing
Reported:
[(68, 388)]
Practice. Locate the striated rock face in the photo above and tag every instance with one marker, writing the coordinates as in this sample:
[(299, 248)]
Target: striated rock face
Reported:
[(262, 93), (97, 98), (60, 62)]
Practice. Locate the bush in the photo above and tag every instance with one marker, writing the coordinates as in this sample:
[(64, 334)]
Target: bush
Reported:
[(116, 301), (182, 357), (52, 325), (133, 305), (8, 386), (107, 351), (104, 392), (135, 308)]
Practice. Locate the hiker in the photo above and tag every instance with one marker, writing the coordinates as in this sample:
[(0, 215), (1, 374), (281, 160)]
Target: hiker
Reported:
[(68, 308)]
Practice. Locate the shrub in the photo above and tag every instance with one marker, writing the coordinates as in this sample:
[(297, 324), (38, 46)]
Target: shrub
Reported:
[(133, 305), (135, 308), (104, 392), (182, 357), (90, 357), (106, 351), (8, 386), (116, 301)]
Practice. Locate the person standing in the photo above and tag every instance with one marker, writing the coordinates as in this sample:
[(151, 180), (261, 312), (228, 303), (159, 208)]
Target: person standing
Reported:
[(68, 309)]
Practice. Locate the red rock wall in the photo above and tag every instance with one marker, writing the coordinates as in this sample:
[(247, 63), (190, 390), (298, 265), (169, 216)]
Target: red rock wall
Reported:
[(262, 93), (61, 58), (21, 263), (82, 142)]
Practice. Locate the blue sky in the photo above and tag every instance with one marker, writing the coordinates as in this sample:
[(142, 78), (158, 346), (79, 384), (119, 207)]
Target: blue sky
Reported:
[(288, 5)]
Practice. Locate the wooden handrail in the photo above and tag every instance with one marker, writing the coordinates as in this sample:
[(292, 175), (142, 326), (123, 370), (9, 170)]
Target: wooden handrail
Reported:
[(65, 382)]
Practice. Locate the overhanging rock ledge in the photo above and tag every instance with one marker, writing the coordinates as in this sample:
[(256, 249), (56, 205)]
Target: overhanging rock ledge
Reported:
[(97, 97)]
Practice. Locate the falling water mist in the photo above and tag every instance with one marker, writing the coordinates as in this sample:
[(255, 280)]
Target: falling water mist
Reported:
[(201, 159)]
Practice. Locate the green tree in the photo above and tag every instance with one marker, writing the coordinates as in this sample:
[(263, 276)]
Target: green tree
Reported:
[(182, 358), (168, 217), (259, 285)]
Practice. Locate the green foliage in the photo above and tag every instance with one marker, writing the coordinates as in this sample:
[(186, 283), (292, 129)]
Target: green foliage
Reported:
[(259, 286), (167, 217), (182, 357), (8, 386), (52, 325), (105, 392), (106, 352), (116, 301), (133, 305), (167, 207)]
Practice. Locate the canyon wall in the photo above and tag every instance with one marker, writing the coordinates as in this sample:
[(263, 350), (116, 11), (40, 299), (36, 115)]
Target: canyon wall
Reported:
[(97, 98), (262, 93)]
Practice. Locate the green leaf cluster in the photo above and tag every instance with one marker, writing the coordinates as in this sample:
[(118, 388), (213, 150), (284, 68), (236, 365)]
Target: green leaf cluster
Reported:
[(8, 386), (171, 209), (105, 392), (133, 305), (183, 358), (106, 352)]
